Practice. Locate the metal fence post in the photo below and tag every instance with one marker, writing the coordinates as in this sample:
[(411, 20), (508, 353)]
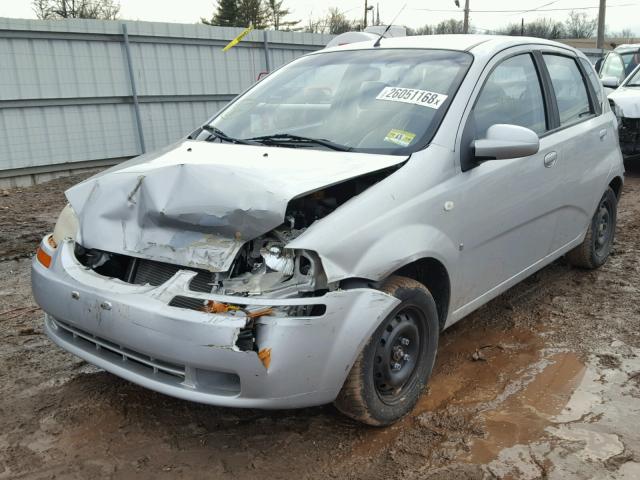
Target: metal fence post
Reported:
[(134, 93), (266, 52)]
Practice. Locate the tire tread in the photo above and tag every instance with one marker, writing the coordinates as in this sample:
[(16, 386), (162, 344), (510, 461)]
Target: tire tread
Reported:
[(350, 400)]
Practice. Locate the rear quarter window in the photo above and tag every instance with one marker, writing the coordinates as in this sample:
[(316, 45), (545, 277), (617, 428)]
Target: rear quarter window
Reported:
[(593, 78)]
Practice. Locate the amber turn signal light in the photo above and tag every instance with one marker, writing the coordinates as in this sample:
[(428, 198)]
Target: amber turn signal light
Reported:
[(43, 257)]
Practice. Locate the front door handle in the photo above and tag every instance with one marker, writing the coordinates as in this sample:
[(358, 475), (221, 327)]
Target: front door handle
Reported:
[(603, 133), (550, 159)]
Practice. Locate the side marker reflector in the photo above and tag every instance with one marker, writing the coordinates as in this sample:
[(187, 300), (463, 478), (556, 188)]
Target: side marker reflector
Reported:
[(43, 257)]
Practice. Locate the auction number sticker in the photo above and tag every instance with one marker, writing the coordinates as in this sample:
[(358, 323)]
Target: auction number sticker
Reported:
[(424, 98)]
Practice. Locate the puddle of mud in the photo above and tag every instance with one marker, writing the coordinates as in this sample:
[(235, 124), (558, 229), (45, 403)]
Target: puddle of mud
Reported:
[(523, 416), (460, 381)]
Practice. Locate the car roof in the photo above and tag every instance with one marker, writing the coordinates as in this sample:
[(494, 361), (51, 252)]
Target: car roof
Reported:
[(484, 44), (627, 47)]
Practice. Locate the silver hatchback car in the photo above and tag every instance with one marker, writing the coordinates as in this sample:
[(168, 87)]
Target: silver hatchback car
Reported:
[(310, 242)]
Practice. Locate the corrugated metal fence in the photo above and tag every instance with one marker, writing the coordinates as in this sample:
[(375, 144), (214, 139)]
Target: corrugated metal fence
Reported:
[(82, 93)]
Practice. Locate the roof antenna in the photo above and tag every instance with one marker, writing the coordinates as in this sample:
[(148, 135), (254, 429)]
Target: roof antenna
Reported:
[(377, 44)]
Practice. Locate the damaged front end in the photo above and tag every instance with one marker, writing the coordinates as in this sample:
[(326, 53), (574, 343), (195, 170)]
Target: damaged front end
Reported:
[(629, 135), (262, 267), (625, 103), (217, 250)]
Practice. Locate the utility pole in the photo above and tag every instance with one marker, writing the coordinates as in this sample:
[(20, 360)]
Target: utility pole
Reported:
[(522, 27), (465, 25), (366, 12), (601, 14)]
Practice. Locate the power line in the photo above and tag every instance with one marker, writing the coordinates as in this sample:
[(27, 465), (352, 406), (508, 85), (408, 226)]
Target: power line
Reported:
[(531, 10)]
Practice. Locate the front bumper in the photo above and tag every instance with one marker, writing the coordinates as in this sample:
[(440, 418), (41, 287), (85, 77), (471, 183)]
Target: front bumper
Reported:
[(131, 331)]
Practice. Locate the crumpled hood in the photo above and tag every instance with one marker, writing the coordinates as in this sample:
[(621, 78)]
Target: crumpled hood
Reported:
[(196, 203), (628, 100)]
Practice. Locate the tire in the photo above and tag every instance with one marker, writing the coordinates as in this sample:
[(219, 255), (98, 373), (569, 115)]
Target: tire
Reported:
[(596, 246), (377, 392)]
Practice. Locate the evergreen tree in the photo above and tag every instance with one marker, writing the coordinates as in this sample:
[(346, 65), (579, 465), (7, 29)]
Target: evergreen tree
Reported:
[(277, 12), (226, 15), (252, 12)]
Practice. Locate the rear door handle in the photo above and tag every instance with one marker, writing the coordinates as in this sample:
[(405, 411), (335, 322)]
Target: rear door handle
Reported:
[(603, 133), (550, 159)]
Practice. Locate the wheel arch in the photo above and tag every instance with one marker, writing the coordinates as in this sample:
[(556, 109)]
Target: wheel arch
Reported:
[(616, 186), (432, 274)]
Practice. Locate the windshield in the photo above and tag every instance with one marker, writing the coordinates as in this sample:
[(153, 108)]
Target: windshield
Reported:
[(630, 60), (634, 80), (377, 101)]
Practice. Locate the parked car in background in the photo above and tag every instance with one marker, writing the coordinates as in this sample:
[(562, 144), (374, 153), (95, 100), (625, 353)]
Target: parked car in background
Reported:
[(310, 242), (625, 102), (619, 64)]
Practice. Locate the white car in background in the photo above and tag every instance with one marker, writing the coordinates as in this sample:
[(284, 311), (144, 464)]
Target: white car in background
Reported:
[(618, 65), (625, 102)]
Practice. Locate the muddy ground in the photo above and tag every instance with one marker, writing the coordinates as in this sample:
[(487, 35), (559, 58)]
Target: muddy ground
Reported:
[(543, 382)]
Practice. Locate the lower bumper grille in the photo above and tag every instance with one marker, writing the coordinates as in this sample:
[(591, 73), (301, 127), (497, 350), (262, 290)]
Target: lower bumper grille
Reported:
[(117, 353), (161, 372)]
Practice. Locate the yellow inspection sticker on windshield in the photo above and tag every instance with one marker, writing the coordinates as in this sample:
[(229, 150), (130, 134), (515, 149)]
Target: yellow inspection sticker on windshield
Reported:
[(399, 137), (423, 98)]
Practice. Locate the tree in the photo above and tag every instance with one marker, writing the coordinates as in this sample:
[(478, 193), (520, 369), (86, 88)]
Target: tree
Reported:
[(541, 28), (314, 25), (423, 30), (578, 25), (277, 12), (226, 15), (626, 33), (337, 22), (252, 12), (450, 26), (95, 9)]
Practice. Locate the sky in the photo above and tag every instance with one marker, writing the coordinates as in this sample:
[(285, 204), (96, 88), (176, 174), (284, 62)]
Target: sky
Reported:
[(621, 14)]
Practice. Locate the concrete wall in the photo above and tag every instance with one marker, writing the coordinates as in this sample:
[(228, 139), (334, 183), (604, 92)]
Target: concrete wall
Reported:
[(67, 87)]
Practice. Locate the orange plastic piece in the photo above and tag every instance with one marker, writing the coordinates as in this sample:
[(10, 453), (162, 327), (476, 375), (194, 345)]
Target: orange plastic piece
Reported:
[(43, 257), (265, 357)]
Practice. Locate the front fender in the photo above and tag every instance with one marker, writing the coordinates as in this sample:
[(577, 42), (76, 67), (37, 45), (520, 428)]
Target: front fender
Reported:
[(391, 251), (394, 222)]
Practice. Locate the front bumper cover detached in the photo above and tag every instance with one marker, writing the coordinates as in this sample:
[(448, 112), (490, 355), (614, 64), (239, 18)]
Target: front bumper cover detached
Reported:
[(131, 331)]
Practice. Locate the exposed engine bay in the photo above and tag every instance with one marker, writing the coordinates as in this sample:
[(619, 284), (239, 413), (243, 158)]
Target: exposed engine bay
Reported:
[(263, 265)]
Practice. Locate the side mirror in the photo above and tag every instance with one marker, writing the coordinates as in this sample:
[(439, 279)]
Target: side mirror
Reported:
[(610, 82), (506, 141)]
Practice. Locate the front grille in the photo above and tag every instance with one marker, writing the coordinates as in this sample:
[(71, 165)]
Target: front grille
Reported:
[(156, 273), (629, 134), (181, 301)]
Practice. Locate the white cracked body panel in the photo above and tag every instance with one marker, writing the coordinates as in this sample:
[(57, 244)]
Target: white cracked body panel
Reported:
[(628, 100), (196, 203)]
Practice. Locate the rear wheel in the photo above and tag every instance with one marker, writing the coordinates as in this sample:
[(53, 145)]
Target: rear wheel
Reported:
[(393, 368), (597, 244)]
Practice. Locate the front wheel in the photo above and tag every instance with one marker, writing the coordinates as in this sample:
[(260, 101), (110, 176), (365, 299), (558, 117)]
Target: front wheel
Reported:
[(597, 244), (393, 368)]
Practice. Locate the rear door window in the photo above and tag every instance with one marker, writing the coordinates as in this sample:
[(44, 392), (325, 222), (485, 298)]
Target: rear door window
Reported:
[(569, 87)]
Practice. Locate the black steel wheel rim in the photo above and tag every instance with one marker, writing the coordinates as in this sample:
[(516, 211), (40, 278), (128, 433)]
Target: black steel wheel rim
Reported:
[(603, 225), (398, 353)]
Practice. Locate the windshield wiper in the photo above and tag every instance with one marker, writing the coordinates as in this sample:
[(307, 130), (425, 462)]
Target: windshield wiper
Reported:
[(290, 139), (224, 137)]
